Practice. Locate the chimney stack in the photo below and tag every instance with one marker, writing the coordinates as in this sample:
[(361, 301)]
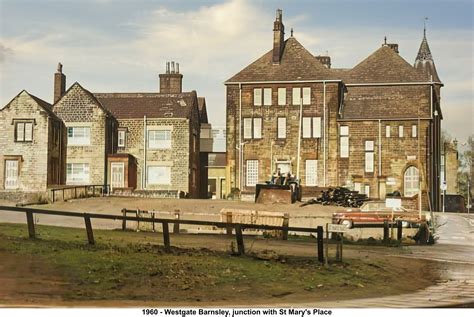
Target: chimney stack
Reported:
[(278, 37), (59, 83), (325, 60), (393, 46), (172, 81)]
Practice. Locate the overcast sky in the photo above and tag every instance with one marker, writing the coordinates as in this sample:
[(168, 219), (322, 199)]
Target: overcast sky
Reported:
[(122, 45)]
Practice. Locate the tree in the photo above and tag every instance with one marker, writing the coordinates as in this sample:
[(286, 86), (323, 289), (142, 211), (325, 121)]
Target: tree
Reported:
[(466, 171)]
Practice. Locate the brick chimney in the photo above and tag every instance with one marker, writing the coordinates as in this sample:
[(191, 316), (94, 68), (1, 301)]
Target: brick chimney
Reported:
[(278, 37), (59, 83), (325, 60), (393, 46), (171, 82)]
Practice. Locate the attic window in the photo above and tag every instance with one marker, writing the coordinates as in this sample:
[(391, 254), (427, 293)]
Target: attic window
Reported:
[(182, 103)]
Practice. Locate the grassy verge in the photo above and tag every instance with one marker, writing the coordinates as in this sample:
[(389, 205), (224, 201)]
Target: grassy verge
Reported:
[(134, 266)]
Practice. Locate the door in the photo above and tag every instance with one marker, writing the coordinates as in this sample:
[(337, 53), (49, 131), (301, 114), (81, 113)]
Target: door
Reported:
[(11, 174), (117, 175)]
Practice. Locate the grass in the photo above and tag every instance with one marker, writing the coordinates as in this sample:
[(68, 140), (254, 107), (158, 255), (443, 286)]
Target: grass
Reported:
[(130, 265)]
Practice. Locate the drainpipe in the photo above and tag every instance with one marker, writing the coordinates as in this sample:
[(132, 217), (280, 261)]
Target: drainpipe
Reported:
[(324, 134), (240, 138), (299, 141), (144, 154)]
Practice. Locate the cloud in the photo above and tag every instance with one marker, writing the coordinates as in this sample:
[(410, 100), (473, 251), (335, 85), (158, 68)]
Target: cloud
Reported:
[(211, 42)]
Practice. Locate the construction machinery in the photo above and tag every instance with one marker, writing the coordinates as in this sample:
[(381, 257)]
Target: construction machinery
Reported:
[(269, 193)]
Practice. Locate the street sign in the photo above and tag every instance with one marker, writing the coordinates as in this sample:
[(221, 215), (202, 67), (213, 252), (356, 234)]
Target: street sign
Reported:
[(336, 228)]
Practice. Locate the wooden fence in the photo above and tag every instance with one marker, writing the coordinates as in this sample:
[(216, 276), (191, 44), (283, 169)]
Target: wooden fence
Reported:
[(81, 191), (236, 227)]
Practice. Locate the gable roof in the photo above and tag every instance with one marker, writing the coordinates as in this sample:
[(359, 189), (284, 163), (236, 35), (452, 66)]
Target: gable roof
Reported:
[(153, 105), (296, 64), (46, 106), (383, 66)]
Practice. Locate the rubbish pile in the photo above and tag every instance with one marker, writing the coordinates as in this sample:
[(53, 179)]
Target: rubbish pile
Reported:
[(339, 196)]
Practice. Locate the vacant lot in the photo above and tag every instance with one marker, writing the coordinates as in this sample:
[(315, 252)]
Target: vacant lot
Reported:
[(132, 269)]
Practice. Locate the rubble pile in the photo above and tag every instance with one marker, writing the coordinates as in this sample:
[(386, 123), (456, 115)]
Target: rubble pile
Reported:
[(339, 196)]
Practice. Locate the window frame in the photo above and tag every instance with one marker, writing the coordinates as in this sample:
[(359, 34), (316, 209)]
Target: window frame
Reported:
[(307, 100), (24, 123), (344, 142), (257, 101), (254, 131), (412, 179), (156, 142), (82, 180), (124, 143), (294, 92), (74, 130), (281, 97), (369, 164), (251, 176), (267, 96), (278, 128), (314, 176)]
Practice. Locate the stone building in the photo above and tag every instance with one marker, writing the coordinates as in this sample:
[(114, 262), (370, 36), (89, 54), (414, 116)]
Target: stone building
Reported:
[(32, 148), (138, 143), (374, 128)]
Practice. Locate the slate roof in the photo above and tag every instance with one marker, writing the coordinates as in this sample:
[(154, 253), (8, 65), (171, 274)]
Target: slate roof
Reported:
[(296, 64), (383, 66), (152, 105)]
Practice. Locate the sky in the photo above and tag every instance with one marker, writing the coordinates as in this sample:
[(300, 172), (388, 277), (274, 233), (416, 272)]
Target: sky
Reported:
[(122, 45)]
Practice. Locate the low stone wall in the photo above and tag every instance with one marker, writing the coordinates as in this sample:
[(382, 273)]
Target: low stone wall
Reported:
[(25, 198), (128, 192)]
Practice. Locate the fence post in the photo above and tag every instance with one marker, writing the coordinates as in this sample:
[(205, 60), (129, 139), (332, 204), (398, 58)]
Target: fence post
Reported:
[(240, 240), (385, 231), (31, 225), (90, 233), (399, 230), (166, 235), (124, 221), (177, 216), (229, 220), (319, 239), (338, 252), (153, 218), (286, 224), (327, 245)]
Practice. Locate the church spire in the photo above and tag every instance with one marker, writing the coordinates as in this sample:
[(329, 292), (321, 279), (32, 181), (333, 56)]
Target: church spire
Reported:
[(424, 60)]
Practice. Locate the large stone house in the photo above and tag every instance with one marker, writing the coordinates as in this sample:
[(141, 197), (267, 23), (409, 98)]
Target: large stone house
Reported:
[(32, 148), (374, 128), (137, 143)]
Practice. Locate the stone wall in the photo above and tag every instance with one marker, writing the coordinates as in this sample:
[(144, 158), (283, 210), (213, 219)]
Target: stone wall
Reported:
[(32, 156), (78, 108)]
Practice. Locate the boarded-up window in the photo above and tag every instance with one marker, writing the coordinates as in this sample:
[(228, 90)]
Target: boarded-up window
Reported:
[(344, 141), (316, 127), (306, 96), (296, 94), (281, 128), (267, 96), (257, 97), (247, 128), (159, 175), (252, 172), (311, 172), (257, 128), (281, 96), (369, 156), (306, 127)]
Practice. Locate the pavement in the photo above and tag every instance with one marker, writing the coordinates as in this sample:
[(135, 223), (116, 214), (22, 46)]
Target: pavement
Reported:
[(454, 247)]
